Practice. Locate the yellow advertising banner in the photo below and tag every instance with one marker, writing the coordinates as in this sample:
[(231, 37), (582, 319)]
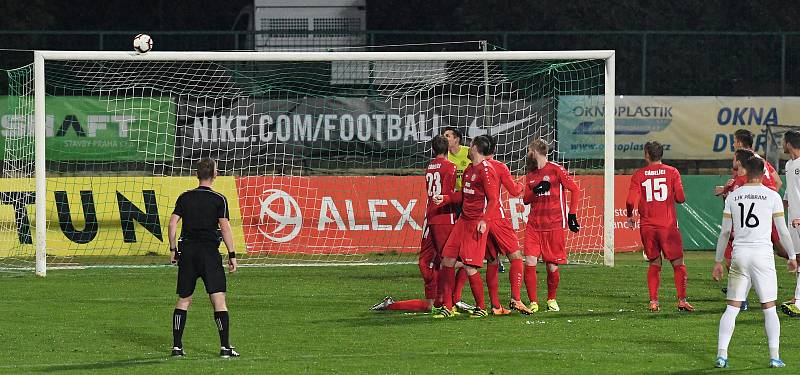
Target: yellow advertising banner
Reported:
[(101, 215), (689, 127)]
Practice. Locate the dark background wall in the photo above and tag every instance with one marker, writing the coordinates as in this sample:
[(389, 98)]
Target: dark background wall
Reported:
[(680, 47)]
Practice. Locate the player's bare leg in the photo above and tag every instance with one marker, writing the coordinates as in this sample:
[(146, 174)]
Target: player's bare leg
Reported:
[(553, 278), (680, 277), (222, 322), (178, 324), (530, 282), (653, 282)]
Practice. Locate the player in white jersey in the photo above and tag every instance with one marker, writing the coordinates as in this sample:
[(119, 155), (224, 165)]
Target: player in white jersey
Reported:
[(791, 144), (750, 212)]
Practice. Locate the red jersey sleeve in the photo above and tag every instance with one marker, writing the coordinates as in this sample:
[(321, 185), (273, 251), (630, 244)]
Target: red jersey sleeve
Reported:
[(769, 177), (633, 193), (568, 183), (677, 186), (491, 188), (451, 196), (528, 195), (513, 188)]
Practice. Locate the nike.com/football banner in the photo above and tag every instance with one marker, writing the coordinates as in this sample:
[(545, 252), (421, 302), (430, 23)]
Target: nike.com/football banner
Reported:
[(341, 133)]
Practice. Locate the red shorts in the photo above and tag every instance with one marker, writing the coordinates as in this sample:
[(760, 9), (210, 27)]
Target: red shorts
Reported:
[(547, 245), (502, 239), (430, 254), (466, 243), (659, 241), (433, 239), (776, 239)]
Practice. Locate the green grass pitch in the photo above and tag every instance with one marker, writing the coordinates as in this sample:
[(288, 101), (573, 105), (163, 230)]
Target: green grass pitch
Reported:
[(317, 320)]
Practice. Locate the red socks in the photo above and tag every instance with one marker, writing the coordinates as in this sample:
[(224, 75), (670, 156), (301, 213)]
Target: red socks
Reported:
[(493, 282), (553, 277), (476, 284), (430, 277), (461, 279), (654, 278), (447, 277), (680, 280), (515, 278), (530, 282), (410, 305)]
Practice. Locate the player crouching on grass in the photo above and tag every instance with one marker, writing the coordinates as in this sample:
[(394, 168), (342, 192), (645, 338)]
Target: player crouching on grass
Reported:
[(205, 221), (791, 198), (440, 178), (656, 188), (544, 233), (467, 241), (751, 211)]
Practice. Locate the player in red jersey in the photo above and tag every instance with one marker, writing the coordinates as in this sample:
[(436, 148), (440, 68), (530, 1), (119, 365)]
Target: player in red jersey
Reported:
[(655, 189), (440, 178), (479, 194), (503, 241), (743, 140), (544, 233)]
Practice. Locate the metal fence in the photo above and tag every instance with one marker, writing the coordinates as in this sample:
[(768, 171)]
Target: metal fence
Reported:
[(648, 62)]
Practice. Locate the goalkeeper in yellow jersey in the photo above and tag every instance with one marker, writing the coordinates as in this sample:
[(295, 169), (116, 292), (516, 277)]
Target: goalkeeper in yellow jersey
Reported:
[(456, 153)]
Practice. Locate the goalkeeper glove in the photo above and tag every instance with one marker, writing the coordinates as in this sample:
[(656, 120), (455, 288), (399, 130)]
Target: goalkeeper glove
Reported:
[(572, 222), (542, 187)]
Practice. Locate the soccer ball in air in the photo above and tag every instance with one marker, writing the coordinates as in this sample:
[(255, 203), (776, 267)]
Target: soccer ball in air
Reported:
[(142, 43)]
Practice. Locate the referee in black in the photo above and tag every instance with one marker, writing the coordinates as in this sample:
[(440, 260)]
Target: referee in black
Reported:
[(205, 222)]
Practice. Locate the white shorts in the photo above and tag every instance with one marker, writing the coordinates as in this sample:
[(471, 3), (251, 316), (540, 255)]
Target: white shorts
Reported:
[(795, 234), (756, 270)]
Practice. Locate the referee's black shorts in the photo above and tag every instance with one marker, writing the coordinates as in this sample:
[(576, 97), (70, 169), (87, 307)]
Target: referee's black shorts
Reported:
[(203, 261)]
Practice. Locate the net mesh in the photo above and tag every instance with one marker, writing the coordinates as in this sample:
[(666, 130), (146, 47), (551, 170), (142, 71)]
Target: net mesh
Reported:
[(319, 161)]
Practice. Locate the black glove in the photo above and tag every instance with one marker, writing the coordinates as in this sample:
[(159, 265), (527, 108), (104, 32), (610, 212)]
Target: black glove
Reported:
[(572, 222), (542, 187)]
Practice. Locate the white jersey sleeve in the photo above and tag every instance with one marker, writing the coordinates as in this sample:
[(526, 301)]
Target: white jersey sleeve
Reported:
[(727, 209), (777, 202), (792, 193)]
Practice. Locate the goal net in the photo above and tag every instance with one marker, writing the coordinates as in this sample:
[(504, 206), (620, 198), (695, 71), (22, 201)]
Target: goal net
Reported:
[(320, 154)]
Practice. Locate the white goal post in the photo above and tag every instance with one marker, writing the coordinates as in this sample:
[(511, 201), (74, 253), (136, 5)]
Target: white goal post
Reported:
[(42, 58)]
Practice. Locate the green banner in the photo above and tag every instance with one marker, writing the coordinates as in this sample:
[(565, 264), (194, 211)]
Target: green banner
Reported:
[(700, 217), (80, 128)]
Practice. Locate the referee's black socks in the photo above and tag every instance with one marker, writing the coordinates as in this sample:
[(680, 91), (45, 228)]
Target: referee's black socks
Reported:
[(178, 322), (221, 318)]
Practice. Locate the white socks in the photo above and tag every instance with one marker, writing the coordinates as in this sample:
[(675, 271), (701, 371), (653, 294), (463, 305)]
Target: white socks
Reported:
[(726, 325), (773, 328), (797, 292)]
